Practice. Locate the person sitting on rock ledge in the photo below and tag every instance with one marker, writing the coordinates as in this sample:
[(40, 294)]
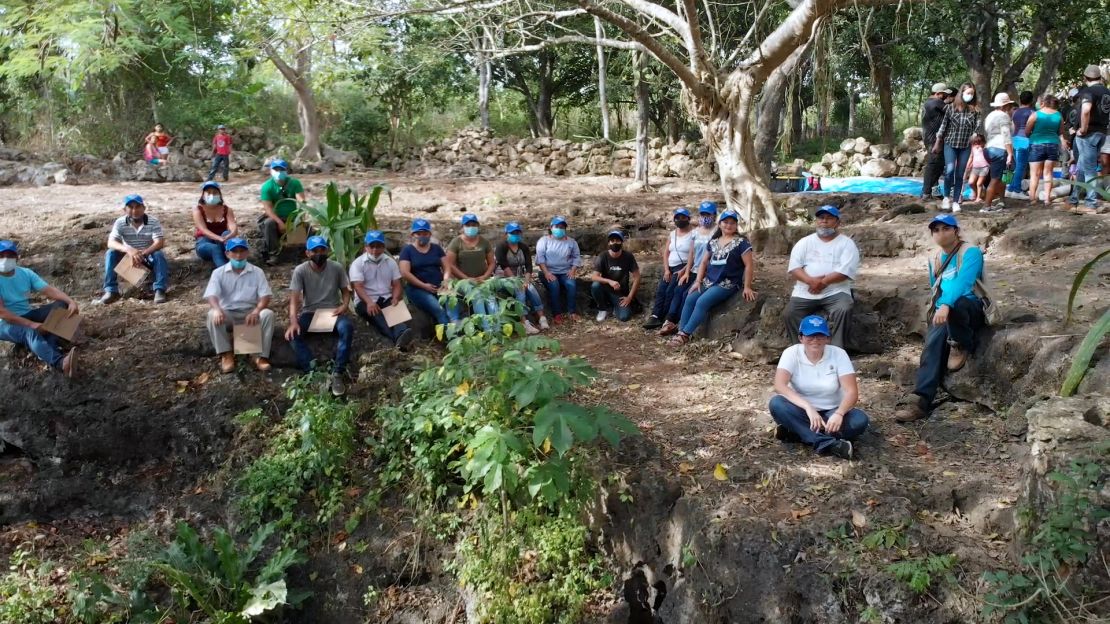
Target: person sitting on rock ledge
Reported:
[(22, 324), (667, 307), (817, 393), (279, 196), (558, 258), (239, 294), (616, 278), (138, 237), (214, 225), (957, 313), (824, 265), (376, 279)]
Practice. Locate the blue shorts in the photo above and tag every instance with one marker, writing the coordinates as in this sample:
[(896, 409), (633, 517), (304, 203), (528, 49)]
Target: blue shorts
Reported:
[(1040, 152), (996, 158)]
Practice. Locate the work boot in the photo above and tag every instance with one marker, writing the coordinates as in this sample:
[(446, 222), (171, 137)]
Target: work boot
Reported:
[(227, 362), (338, 386), (262, 364), (159, 297), (909, 413), (957, 357), (109, 297)]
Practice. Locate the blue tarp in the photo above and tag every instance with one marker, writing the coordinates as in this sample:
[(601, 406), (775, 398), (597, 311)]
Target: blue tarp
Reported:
[(861, 184)]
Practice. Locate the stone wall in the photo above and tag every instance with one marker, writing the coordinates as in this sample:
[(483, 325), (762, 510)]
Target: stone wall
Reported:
[(859, 157)]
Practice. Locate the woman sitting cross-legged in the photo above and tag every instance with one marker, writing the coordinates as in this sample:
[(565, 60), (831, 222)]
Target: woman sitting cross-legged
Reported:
[(817, 393)]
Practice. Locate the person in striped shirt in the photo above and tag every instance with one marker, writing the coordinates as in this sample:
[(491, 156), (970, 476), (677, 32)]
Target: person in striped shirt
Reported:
[(137, 237)]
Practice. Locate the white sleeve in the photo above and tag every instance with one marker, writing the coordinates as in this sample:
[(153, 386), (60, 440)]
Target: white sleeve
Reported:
[(798, 255), (842, 362), (354, 274), (789, 361), (213, 289), (395, 270), (848, 264)]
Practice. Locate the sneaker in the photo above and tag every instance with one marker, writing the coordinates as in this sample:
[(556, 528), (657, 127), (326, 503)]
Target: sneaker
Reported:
[(909, 413), (559, 319), (405, 339), (530, 329), (262, 364), (653, 322), (1017, 195), (338, 386), (109, 297), (543, 322), (227, 362), (602, 315), (667, 329), (782, 434), (957, 357), (955, 206), (946, 204), (159, 296), (842, 449)]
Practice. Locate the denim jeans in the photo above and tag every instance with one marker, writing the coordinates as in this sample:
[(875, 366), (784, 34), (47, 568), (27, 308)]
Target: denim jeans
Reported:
[(955, 164), (964, 319), (678, 300), (44, 345), (219, 162), (1021, 164), (345, 330), (211, 251), (555, 289), (427, 302), (155, 261), (795, 419), (478, 306), (530, 297), (378, 320), (665, 294), (1088, 148), (698, 304), (608, 299)]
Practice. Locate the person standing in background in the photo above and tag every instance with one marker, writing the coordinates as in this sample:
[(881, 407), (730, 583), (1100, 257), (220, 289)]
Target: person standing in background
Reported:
[(931, 116)]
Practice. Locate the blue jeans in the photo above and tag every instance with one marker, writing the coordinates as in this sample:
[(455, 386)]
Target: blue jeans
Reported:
[(665, 294), (955, 164), (427, 302), (555, 289), (1021, 163), (210, 250), (1088, 148), (965, 318), (346, 332), (795, 419), (378, 320), (44, 345), (155, 262), (608, 299), (530, 297), (698, 304), (477, 306)]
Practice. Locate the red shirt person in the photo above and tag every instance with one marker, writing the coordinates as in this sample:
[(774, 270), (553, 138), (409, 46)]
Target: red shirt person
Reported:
[(221, 152)]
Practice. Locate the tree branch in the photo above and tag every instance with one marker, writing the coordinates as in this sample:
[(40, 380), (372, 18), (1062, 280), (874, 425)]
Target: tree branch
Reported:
[(557, 41)]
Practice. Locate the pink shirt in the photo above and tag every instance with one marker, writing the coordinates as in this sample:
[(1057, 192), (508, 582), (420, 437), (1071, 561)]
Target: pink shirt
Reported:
[(978, 157)]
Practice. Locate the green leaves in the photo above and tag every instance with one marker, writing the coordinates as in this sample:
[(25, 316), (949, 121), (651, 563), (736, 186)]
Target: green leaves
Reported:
[(343, 218), (562, 422)]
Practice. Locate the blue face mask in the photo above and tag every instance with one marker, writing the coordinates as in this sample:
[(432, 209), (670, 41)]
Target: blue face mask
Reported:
[(515, 238), (238, 265), (707, 220), (278, 175), (559, 232), (471, 230)]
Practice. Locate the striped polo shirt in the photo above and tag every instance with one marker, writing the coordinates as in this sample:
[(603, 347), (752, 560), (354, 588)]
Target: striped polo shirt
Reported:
[(138, 237)]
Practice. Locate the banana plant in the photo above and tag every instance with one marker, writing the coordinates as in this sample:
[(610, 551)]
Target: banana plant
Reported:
[(343, 218)]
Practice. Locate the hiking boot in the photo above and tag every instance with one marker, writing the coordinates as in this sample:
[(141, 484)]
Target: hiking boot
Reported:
[(338, 386), (227, 362), (602, 315), (667, 329), (159, 297), (404, 341), (262, 364), (543, 322), (957, 357), (782, 434), (109, 297), (653, 322), (909, 413), (842, 449)]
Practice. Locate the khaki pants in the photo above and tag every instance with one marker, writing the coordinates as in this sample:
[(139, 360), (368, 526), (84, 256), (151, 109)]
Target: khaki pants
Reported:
[(221, 335)]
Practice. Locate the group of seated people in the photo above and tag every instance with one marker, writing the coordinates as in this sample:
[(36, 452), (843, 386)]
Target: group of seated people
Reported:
[(704, 266)]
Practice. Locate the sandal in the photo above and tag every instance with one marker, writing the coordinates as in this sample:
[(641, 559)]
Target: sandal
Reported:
[(667, 329), (679, 340)]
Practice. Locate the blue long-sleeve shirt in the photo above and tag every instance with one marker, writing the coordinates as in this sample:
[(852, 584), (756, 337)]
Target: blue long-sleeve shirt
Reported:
[(958, 279), (558, 254)]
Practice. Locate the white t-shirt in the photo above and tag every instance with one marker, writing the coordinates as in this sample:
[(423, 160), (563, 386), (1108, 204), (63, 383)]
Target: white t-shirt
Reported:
[(999, 129), (377, 278), (818, 383), (817, 257), (680, 247)]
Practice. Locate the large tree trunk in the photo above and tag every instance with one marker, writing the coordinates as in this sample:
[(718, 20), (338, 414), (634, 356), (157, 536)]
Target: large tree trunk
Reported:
[(483, 92), (603, 102), (797, 112), (307, 117), (643, 120), (1050, 62), (880, 77), (771, 109)]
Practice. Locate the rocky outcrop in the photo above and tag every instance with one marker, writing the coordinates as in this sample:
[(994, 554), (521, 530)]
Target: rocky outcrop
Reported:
[(859, 157)]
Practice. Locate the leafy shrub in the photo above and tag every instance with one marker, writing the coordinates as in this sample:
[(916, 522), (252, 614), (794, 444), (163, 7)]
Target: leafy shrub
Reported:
[(27, 594), (343, 219), (918, 572)]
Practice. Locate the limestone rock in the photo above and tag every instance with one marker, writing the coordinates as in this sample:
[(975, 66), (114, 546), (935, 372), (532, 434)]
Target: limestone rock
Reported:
[(862, 146), (878, 168)]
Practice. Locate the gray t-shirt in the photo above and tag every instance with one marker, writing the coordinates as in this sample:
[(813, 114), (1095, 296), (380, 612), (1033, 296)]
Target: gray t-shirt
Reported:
[(320, 289)]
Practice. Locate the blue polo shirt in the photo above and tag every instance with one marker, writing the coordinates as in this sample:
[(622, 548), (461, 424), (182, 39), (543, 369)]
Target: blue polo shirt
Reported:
[(958, 279), (16, 290)]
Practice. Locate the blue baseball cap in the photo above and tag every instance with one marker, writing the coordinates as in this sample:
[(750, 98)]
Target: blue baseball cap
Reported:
[(729, 214), (559, 220), (235, 243), (7, 245), (619, 234), (210, 184), (832, 210), (946, 219), (814, 325), (682, 211), (470, 217), (133, 198), (707, 207), (221, 127), (512, 226), (420, 225), (279, 164), (315, 242), (374, 236)]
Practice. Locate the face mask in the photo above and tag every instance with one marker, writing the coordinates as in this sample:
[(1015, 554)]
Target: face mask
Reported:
[(238, 265), (470, 231), (320, 259), (824, 232), (559, 232), (615, 246), (278, 175), (375, 259), (213, 200), (968, 97), (423, 240), (7, 265), (707, 220), (682, 223), (514, 239)]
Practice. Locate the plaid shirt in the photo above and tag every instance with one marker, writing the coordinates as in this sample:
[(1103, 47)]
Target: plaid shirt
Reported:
[(957, 127)]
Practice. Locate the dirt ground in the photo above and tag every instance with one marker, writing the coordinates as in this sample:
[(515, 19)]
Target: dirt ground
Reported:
[(148, 378)]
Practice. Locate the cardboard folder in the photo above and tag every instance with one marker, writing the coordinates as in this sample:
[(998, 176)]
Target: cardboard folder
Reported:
[(396, 314), (323, 321), (134, 275), (297, 237), (59, 323), (247, 339)]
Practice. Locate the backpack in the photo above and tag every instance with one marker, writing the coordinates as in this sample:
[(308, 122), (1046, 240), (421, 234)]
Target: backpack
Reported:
[(991, 312)]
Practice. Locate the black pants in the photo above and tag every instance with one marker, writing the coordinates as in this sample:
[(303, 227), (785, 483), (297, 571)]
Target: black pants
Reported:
[(271, 236), (934, 168), (964, 319)]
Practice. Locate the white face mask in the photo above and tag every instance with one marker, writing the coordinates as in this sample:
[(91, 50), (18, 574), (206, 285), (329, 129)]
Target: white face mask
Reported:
[(968, 97), (212, 199), (7, 265)]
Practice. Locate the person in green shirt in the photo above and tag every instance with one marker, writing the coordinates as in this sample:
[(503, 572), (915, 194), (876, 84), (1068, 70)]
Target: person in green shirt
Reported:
[(279, 197)]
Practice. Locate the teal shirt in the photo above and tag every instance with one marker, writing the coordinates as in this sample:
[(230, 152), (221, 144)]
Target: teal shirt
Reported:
[(16, 290), (958, 279), (1046, 129)]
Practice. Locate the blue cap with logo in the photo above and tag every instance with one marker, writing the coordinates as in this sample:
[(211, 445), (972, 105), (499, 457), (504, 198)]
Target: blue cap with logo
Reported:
[(682, 212), (316, 242), (133, 199), (420, 225), (946, 219), (209, 184), (814, 325), (7, 245), (617, 233), (730, 214), (512, 226), (558, 220), (374, 236), (278, 163), (469, 217), (829, 210), (707, 207), (235, 243)]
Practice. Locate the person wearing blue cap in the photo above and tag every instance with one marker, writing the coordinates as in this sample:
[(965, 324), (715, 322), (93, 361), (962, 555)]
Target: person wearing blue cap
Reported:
[(214, 224), (470, 259), (279, 196), (514, 259), (676, 254), (138, 237), (817, 393), (22, 324), (558, 257), (423, 264), (956, 314), (376, 279), (321, 284), (616, 278), (238, 293), (823, 265), (727, 268)]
